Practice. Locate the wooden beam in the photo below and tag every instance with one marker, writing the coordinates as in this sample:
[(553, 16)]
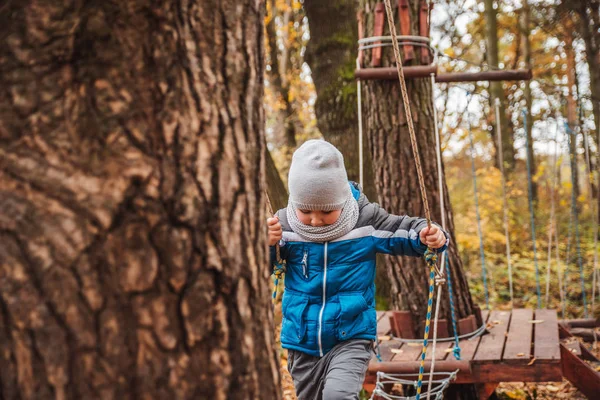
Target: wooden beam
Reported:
[(581, 323), (580, 374), (419, 71), (504, 75), (424, 71)]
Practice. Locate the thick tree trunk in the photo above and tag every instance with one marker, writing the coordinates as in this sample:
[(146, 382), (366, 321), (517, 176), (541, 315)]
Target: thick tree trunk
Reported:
[(508, 151), (525, 32), (572, 118), (396, 177), (278, 74), (331, 54), (132, 244)]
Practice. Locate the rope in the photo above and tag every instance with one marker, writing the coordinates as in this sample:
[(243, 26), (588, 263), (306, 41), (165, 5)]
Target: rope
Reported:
[(594, 217), (469, 335), (479, 231), (504, 201), (552, 219), (576, 219), (279, 267), (456, 349), (531, 212), (382, 379), (360, 128), (430, 256)]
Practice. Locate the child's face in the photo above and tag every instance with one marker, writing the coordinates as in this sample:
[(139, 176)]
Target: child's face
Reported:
[(318, 218)]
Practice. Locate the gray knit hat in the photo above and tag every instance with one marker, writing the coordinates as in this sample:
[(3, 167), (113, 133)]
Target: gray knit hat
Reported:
[(318, 178)]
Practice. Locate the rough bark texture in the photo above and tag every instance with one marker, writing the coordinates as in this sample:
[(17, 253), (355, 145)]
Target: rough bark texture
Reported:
[(132, 242), (331, 54), (525, 33), (508, 151), (396, 177), (398, 188)]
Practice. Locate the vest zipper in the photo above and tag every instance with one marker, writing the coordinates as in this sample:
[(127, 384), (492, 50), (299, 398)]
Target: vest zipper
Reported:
[(324, 298), (305, 264)]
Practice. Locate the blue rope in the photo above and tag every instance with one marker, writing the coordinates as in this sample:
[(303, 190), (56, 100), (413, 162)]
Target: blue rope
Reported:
[(481, 253), (456, 350), (530, 196), (576, 219)]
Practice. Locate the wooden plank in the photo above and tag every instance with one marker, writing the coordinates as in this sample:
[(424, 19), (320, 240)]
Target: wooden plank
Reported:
[(405, 29), (378, 31), (408, 352), (518, 341), (468, 347), (537, 372), (424, 30), (383, 325), (385, 350), (580, 374), (546, 342), (402, 324), (467, 325), (491, 345)]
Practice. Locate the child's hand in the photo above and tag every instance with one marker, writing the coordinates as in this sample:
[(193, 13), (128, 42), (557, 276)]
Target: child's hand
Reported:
[(275, 231), (432, 237)]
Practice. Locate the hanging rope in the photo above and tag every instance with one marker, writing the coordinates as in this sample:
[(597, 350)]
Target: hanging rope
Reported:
[(442, 381), (430, 256), (531, 212), (360, 128), (552, 226), (571, 134), (504, 201), (279, 267), (479, 231)]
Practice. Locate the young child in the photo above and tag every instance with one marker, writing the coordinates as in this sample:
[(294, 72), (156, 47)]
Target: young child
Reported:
[(329, 235)]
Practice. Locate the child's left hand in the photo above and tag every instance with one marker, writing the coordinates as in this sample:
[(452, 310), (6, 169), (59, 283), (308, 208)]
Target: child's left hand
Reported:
[(432, 237)]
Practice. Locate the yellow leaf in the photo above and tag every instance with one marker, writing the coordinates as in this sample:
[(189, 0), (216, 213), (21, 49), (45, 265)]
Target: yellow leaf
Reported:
[(536, 321), (531, 362), (397, 351), (384, 338)]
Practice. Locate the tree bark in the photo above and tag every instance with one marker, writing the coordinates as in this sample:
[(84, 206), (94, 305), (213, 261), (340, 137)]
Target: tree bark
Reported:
[(331, 54), (396, 177), (572, 118), (278, 74), (496, 90), (525, 32), (132, 244)]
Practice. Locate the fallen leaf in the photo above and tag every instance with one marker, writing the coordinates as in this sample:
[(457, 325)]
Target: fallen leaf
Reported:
[(520, 354), (384, 338), (397, 351), (450, 350), (531, 362), (552, 388), (536, 321), (496, 322), (411, 344)]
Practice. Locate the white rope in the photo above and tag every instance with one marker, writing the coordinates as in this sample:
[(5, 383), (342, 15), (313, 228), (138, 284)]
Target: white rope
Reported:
[(438, 391), (504, 201), (360, 128), (469, 335), (552, 215), (438, 152), (400, 38), (594, 218)]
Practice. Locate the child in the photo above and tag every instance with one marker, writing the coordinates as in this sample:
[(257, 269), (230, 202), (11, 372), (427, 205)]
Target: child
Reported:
[(329, 235)]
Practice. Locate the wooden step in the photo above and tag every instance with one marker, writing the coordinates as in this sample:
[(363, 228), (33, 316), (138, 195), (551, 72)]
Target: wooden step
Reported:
[(578, 372)]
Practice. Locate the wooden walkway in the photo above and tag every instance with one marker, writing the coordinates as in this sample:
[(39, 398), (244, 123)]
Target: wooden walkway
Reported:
[(522, 346)]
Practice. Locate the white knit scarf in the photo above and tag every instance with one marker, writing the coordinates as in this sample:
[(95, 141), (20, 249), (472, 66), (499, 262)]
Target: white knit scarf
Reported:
[(344, 224)]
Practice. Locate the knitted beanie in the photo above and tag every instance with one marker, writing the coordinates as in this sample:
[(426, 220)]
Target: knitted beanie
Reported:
[(317, 179)]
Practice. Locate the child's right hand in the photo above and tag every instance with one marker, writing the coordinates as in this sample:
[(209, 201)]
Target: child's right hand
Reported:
[(275, 231)]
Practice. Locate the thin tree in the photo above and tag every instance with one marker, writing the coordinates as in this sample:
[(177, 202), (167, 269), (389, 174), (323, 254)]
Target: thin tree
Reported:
[(132, 206)]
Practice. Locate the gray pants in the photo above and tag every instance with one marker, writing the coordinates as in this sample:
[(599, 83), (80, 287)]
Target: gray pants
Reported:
[(338, 375)]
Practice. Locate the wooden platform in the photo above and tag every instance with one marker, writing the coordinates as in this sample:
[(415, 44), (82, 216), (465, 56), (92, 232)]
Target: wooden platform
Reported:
[(521, 346)]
